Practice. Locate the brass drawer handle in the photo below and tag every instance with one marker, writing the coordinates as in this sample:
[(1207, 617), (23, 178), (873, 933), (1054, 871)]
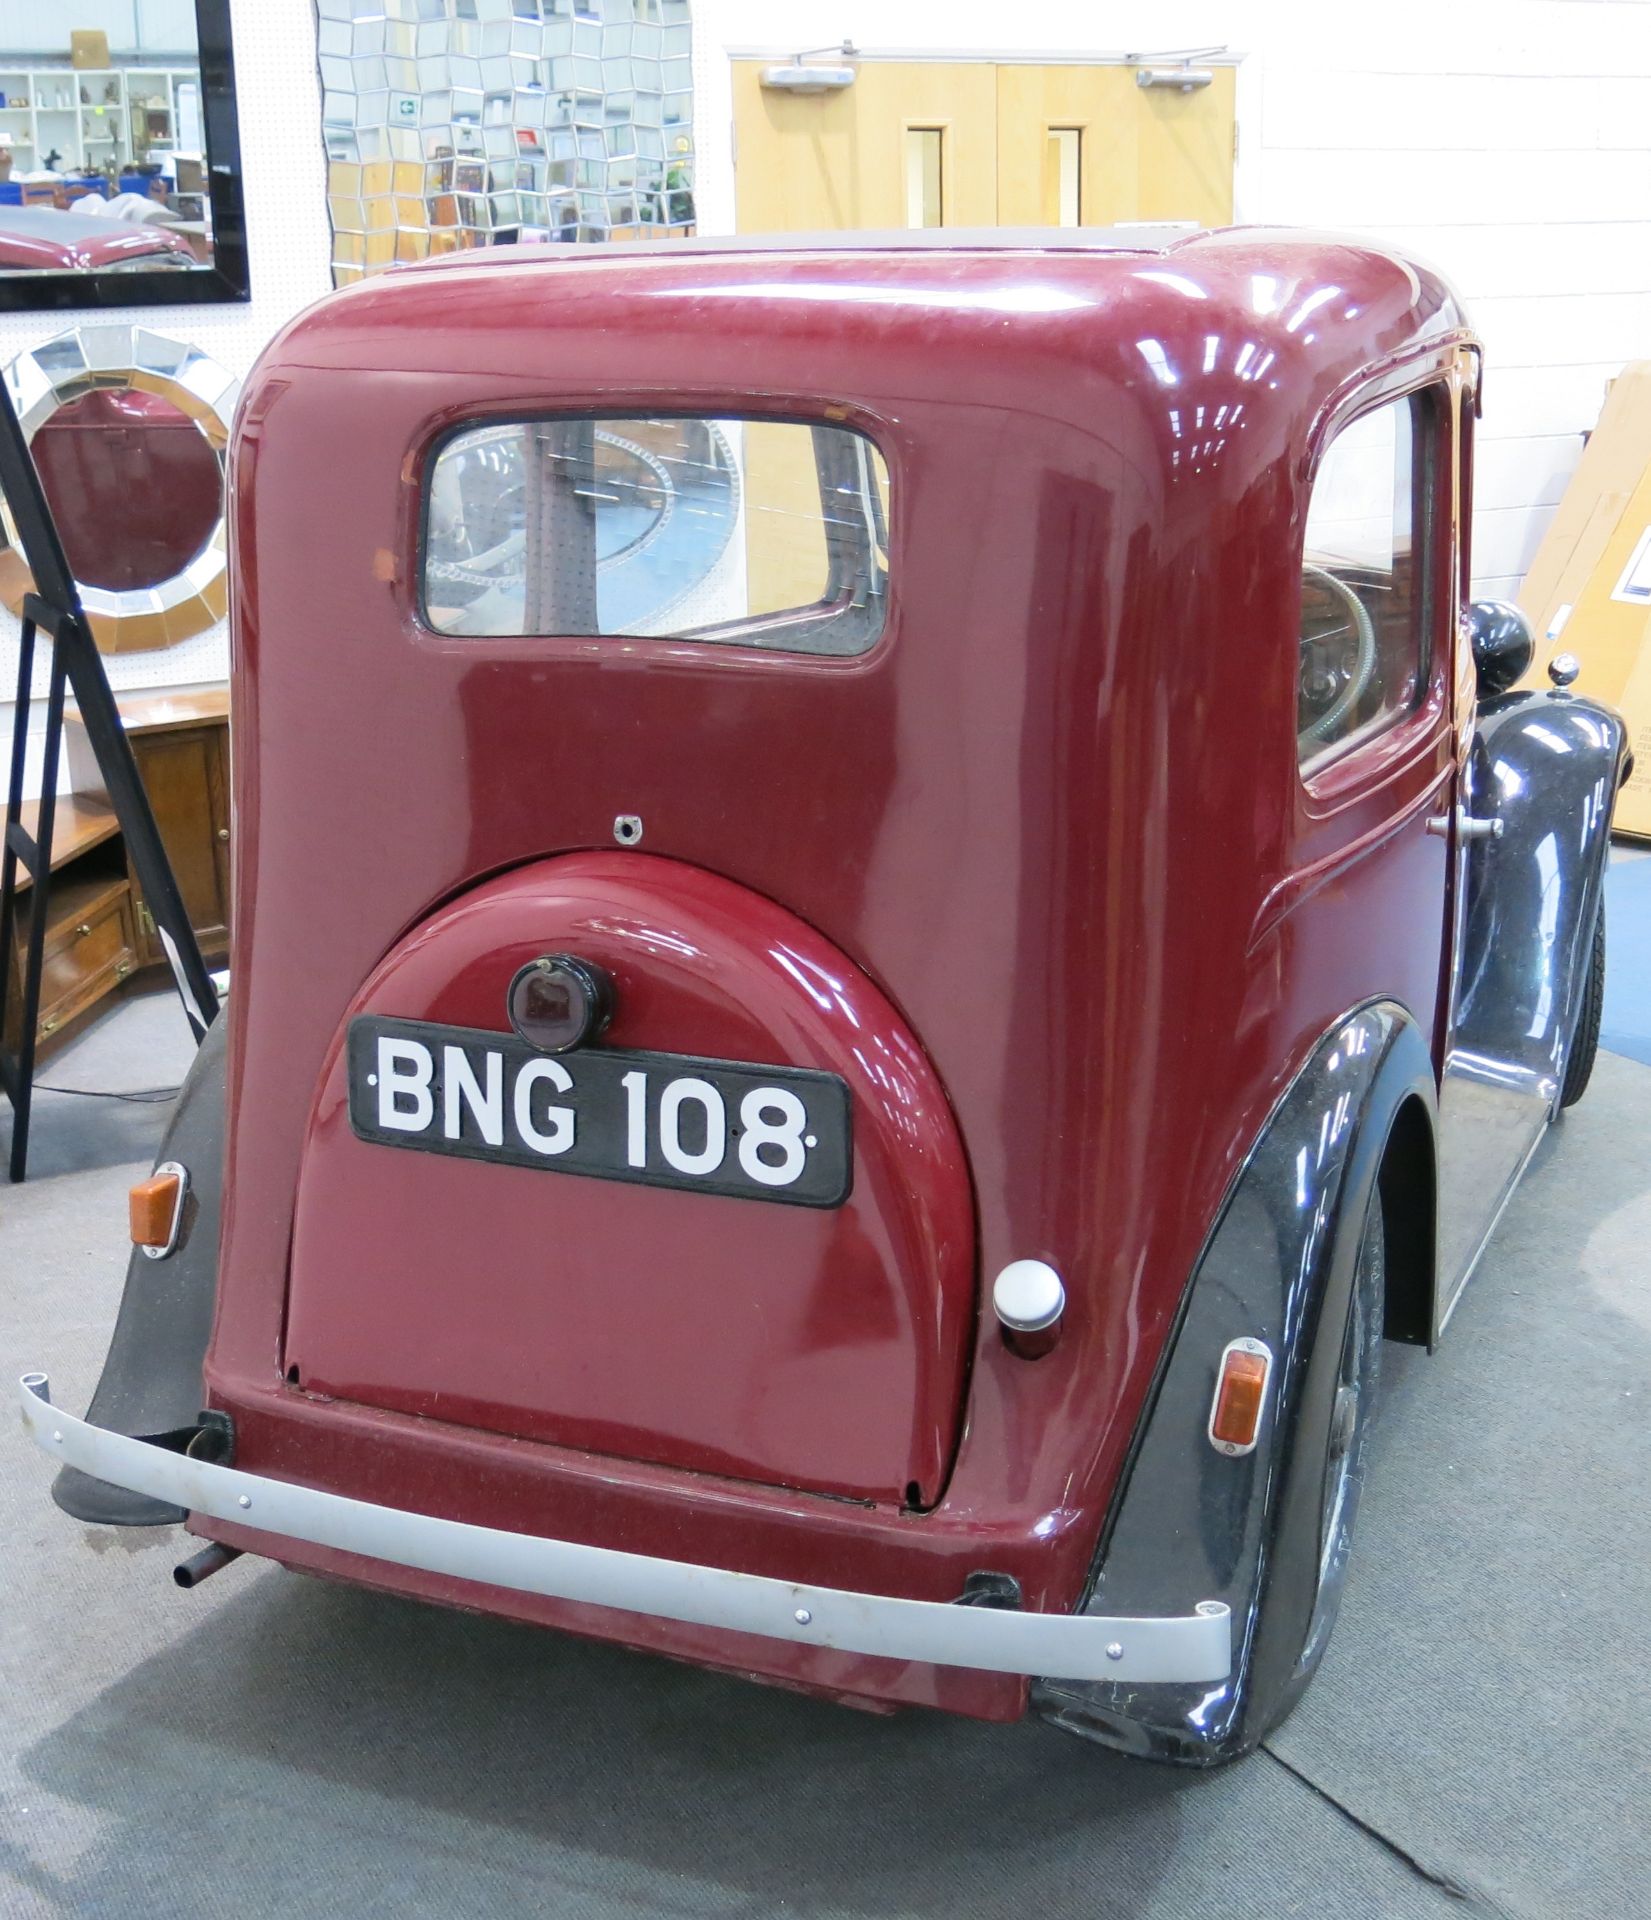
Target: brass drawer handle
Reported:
[(123, 968), (47, 1026), (83, 929), (223, 833)]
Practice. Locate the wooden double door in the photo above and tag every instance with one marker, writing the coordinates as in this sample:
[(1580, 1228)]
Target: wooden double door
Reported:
[(981, 143)]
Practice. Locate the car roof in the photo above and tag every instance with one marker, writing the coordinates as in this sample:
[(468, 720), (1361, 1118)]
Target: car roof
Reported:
[(1227, 278), (67, 226), (1158, 236), (1321, 306), (54, 223), (1183, 239), (1220, 264)]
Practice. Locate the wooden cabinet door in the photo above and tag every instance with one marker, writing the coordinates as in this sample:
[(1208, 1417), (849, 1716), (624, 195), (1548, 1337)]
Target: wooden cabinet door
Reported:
[(217, 799), (183, 773)]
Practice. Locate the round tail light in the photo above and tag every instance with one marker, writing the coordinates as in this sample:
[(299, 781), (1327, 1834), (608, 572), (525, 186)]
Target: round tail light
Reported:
[(559, 1002)]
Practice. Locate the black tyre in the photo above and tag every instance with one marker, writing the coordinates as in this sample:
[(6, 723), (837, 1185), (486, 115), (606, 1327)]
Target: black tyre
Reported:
[(1357, 1386), (1343, 1448), (1579, 1067)]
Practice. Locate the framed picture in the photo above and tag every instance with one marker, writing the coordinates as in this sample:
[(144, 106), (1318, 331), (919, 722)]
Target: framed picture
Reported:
[(120, 165)]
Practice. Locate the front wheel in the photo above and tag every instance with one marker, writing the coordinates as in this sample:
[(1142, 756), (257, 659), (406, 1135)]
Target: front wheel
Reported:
[(1579, 1067)]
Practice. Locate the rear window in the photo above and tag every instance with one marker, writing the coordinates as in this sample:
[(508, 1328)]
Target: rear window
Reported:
[(751, 533)]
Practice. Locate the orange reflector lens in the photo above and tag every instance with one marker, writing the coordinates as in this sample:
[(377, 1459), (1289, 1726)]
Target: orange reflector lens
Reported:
[(1240, 1396), (153, 1206)]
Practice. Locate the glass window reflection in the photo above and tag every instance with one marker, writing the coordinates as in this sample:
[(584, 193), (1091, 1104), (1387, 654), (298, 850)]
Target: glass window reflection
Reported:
[(1364, 615)]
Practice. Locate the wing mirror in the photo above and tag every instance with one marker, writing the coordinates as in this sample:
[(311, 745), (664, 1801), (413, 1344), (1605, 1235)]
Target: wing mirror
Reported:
[(1503, 646)]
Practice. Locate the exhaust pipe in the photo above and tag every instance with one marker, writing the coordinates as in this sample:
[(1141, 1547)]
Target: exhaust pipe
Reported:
[(191, 1572)]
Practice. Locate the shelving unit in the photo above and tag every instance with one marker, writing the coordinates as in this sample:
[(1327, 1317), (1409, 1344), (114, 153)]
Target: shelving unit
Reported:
[(100, 931), (115, 122), (91, 936)]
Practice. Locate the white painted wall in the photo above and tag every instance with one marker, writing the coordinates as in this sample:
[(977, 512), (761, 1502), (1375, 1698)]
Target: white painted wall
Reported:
[(1506, 141)]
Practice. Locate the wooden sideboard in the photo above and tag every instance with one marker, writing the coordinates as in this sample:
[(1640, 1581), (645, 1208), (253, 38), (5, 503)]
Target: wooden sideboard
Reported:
[(99, 932)]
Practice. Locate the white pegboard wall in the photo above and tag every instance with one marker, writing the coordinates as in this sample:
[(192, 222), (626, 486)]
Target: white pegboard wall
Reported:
[(283, 166)]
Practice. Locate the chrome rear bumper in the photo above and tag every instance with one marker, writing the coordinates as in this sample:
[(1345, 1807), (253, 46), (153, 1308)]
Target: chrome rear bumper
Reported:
[(1189, 1647)]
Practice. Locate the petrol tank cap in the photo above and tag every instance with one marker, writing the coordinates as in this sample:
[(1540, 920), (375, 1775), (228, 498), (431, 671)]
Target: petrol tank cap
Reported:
[(1029, 1299)]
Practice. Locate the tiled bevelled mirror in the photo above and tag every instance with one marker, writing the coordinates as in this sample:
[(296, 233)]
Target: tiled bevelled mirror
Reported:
[(467, 123)]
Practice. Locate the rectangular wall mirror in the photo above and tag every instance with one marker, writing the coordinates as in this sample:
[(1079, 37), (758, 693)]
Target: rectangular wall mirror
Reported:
[(120, 163)]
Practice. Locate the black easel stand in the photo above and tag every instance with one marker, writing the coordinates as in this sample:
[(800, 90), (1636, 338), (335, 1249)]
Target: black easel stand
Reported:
[(54, 609)]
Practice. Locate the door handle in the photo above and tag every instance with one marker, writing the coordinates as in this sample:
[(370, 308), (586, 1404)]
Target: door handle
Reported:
[(1468, 826)]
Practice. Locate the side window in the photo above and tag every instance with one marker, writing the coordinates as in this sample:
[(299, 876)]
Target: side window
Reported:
[(1365, 618), (750, 533)]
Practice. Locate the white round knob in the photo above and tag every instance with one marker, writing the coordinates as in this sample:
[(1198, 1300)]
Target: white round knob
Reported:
[(1028, 1296)]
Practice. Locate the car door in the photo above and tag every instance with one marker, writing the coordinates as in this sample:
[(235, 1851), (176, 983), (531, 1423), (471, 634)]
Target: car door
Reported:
[(1375, 701), (1495, 1101)]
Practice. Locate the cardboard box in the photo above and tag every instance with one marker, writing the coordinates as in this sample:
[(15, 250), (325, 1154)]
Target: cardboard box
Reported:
[(89, 47), (1589, 588)]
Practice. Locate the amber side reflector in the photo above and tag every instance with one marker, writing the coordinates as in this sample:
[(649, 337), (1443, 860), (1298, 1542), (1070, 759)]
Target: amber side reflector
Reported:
[(1240, 1396), (153, 1206)]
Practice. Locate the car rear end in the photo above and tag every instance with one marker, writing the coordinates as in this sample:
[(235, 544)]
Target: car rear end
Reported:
[(740, 637)]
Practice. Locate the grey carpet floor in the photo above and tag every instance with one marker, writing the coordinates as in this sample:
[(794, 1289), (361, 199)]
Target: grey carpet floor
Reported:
[(1476, 1743)]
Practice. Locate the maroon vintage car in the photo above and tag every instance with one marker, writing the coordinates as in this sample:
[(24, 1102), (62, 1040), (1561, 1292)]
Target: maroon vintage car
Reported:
[(888, 910), (52, 240)]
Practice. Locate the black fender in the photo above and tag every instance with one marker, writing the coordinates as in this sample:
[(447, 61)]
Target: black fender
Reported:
[(1547, 766), (1190, 1523), (150, 1387)]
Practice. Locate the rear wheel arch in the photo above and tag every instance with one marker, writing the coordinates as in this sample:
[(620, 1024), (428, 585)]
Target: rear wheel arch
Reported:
[(1280, 1265)]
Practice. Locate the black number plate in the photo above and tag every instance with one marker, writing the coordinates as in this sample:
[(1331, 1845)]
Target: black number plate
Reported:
[(664, 1119)]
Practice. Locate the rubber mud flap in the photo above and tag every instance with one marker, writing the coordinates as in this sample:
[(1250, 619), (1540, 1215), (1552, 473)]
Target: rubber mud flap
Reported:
[(151, 1381)]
